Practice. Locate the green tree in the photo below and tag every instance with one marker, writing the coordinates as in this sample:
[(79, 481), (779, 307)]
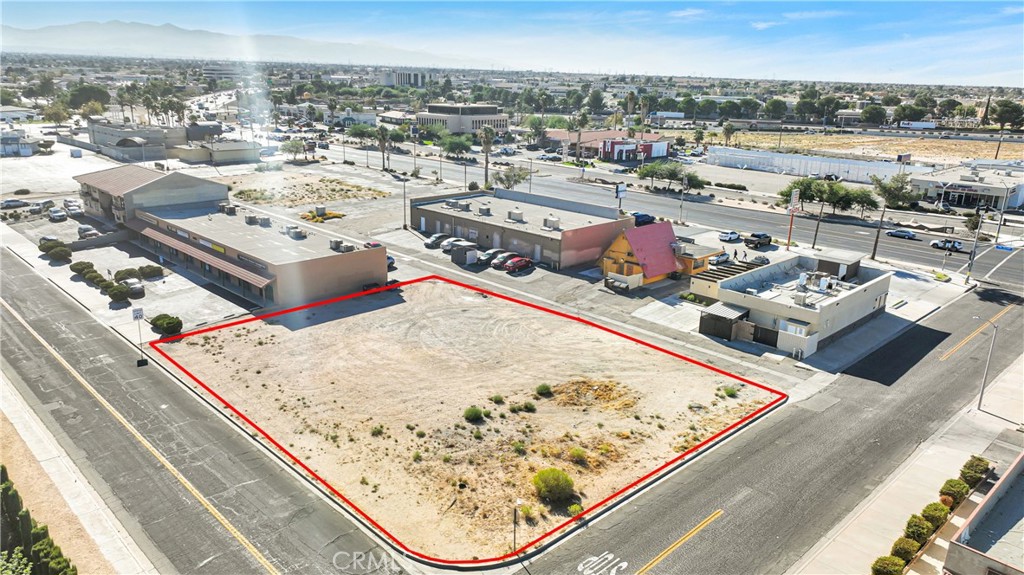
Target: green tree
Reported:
[(728, 109), (905, 548), (805, 109), (706, 108), (15, 563), (873, 114), (896, 191), (749, 107), (511, 177), (455, 145), (9, 97), (56, 113), (293, 147), (828, 106), (838, 196), (910, 113), (84, 93), (595, 101), (727, 131), (811, 190), (557, 123), (536, 127), (863, 199), (118, 293), (925, 101), (698, 136), (486, 136), (918, 529), (965, 112), (688, 106), (891, 100), (947, 107), (1007, 112), (578, 123), (360, 132), (935, 513), (775, 108)]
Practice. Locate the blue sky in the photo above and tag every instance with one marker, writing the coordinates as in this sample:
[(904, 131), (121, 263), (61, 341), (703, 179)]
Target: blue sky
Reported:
[(974, 43)]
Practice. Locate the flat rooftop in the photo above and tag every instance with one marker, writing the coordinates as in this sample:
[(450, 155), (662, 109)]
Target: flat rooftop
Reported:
[(1000, 534), (268, 244), (533, 214), (783, 287)]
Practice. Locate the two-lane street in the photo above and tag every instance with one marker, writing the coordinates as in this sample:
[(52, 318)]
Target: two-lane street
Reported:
[(782, 485)]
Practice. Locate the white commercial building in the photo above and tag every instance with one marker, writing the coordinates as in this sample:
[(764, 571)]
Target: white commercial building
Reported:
[(999, 186), (463, 118)]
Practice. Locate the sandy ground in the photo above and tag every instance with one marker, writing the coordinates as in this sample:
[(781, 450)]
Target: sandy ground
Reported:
[(47, 505), (871, 147), (371, 394), (290, 188)]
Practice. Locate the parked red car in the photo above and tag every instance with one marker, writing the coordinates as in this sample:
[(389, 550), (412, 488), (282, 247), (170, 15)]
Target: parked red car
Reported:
[(518, 264)]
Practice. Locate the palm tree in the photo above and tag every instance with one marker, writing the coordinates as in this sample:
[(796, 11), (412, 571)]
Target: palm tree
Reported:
[(727, 131), (332, 105), (150, 105), (276, 99), (486, 136), (382, 143), (576, 124)]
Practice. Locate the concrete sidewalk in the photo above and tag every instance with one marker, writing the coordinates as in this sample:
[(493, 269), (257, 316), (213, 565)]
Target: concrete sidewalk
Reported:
[(99, 521), (869, 531)]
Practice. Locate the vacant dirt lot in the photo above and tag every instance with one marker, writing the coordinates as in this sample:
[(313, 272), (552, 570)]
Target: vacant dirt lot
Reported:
[(371, 393), (873, 147), (292, 188)]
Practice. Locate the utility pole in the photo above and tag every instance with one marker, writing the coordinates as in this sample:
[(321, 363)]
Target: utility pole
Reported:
[(818, 225), (974, 248), (878, 233), (794, 200), (1002, 208), (530, 190)]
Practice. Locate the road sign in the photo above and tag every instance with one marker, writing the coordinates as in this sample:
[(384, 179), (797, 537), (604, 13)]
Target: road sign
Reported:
[(1004, 248), (137, 314), (794, 199), (620, 191), (902, 158)]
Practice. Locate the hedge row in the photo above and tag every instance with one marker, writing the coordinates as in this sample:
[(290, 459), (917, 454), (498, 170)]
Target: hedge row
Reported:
[(57, 251), (921, 527), (31, 538)]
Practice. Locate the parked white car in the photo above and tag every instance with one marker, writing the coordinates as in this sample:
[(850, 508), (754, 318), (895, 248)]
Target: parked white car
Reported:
[(730, 236), (719, 259)]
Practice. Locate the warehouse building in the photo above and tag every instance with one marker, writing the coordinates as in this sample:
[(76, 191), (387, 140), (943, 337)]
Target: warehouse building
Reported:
[(553, 231), (116, 193)]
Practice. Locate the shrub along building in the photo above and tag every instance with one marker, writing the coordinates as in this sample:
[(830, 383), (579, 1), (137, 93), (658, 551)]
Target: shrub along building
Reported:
[(798, 305), (553, 231), (190, 222)]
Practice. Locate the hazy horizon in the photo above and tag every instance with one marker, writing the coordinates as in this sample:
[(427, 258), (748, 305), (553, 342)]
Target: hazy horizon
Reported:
[(954, 43)]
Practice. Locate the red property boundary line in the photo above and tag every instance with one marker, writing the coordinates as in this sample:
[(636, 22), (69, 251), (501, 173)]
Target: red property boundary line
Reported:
[(592, 511)]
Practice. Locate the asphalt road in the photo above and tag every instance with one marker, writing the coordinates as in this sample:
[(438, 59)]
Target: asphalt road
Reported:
[(1003, 268), (296, 530), (785, 483)]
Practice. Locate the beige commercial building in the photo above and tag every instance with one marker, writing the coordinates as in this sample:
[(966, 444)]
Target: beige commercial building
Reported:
[(268, 262), (553, 231), (463, 118), (798, 304), (1000, 187), (116, 193)]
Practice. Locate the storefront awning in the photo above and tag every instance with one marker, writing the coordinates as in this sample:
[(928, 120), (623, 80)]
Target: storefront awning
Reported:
[(197, 253)]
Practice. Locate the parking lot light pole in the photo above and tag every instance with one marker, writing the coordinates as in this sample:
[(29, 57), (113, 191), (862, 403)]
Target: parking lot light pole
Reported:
[(984, 377), (878, 233)]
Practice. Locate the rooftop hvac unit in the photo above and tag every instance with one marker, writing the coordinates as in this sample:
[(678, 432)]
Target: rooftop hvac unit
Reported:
[(321, 211), (968, 178), (297, 234), (678, 249), (251, 219), (484, 210), (288, 229), (800, 299), (515, 215), (221, 207), (336, 245), (751, 291), (345, 248), (230, 210), (265, 221), (823, 284), (803, 279), (464, 206), (552, 223), (451, 204)]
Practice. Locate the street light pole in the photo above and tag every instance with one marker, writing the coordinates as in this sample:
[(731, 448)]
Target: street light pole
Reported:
[(974, 248), (817, 225), (530, 190), (405, 215), (1002, 208), (984, 377)]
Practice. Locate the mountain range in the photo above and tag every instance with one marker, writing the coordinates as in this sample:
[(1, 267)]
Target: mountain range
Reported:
[(136, 40)]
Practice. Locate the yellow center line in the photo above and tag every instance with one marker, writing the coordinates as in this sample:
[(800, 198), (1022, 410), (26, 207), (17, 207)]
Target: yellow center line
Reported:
[(149, 447), (661, 556), (975, 333)]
